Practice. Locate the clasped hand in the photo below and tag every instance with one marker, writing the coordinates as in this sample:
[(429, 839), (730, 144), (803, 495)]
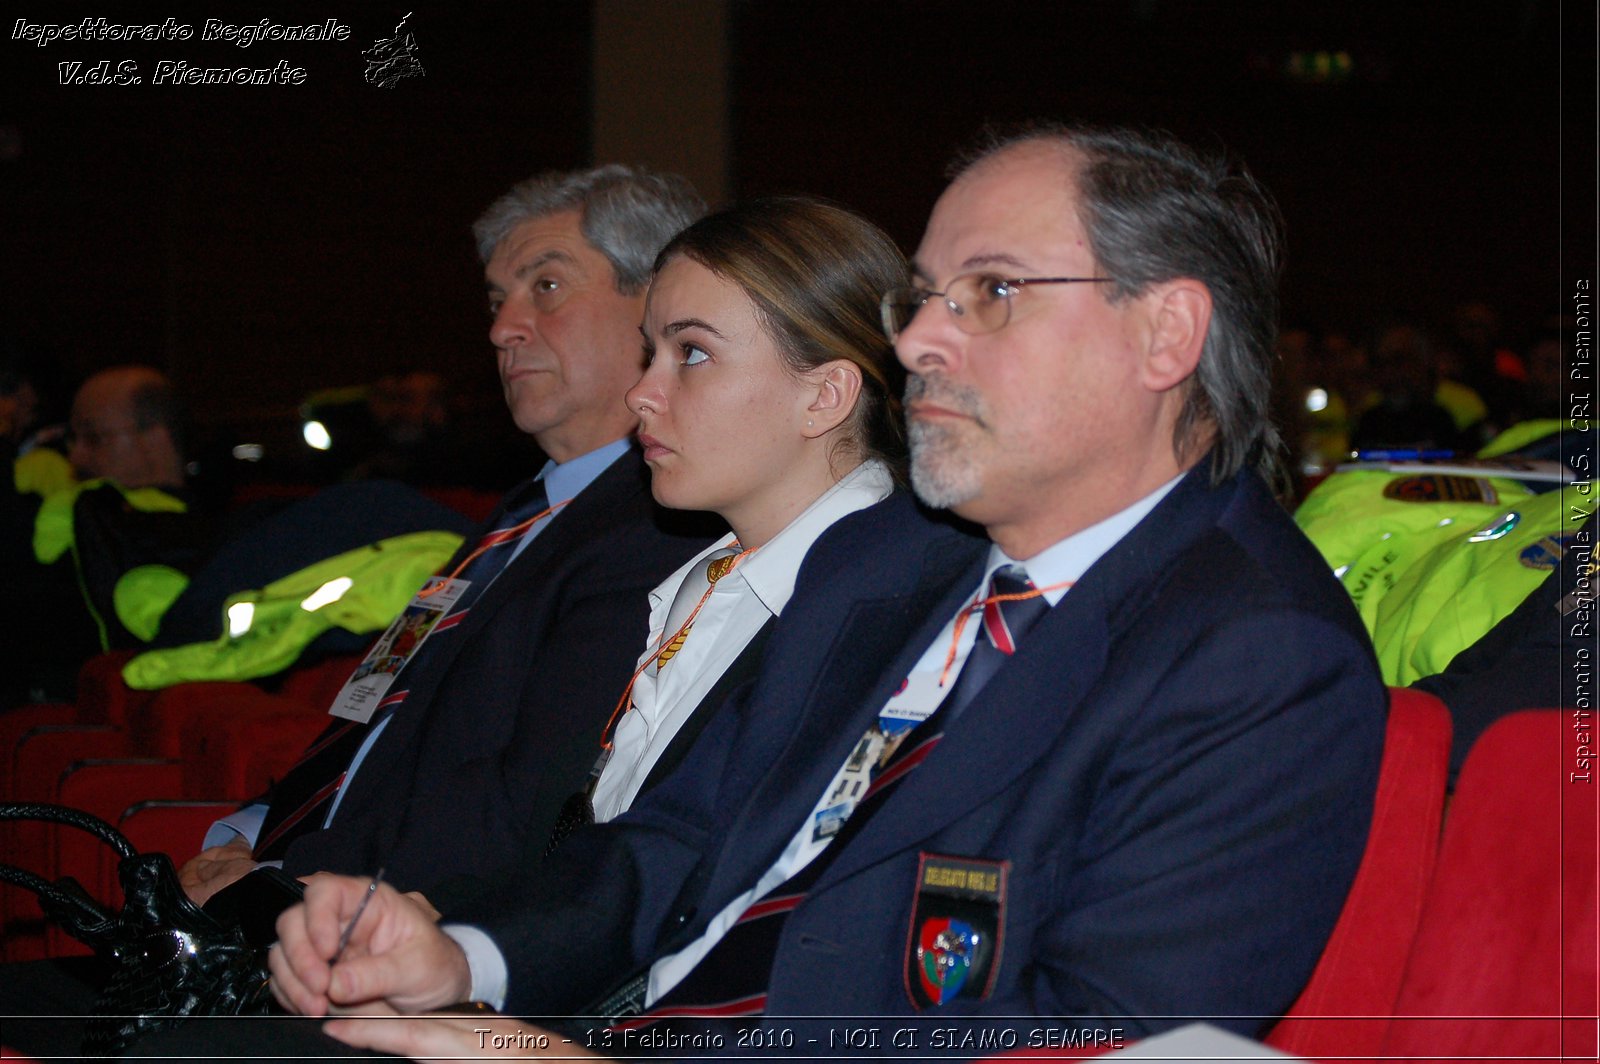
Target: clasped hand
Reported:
[(395, 961), (396, 955)]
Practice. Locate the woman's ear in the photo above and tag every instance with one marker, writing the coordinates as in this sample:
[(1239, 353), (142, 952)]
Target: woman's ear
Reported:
[(832, 390)]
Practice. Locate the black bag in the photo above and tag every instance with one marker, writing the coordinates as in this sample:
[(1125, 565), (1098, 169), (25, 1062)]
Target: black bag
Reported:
[(168, 957)]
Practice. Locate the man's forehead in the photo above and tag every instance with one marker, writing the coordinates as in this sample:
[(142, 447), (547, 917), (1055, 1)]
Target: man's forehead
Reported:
[(1014, 212), (102, 393), (995, 261), (549, 237)]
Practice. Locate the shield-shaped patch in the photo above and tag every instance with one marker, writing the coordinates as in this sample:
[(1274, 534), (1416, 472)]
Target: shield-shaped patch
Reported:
[(957, 923)]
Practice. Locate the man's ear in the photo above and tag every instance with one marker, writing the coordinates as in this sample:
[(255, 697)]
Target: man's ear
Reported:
[(159, 453), (836, 386), (1180, 315)]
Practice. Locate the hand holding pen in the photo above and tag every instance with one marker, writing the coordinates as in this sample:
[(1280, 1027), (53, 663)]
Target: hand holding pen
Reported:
[(355, 943), (349, 929)]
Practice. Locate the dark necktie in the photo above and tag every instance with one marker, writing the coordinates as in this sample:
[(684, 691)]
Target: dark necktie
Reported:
[(1012, 606), (301, 799), (731, 980)]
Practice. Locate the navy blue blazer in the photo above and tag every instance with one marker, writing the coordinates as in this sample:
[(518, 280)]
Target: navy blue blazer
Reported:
[(504, 721), (1176, 770)]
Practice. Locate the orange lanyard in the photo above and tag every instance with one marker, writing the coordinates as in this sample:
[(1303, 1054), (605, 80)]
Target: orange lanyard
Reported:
[(493, 539), (653, 655), (978, 606)]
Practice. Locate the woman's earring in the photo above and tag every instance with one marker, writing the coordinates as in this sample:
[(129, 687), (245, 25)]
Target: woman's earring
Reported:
[(810, 424)]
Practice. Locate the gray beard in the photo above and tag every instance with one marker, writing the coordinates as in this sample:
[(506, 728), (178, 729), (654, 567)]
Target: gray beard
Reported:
[(940, 475)]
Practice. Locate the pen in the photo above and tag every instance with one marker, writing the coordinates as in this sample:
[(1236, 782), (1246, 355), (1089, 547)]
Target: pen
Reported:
[(1400, 454), (344, 939)]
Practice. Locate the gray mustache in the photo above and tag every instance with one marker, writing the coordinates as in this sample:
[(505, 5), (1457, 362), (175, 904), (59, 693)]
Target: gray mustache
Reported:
[(937, 389)]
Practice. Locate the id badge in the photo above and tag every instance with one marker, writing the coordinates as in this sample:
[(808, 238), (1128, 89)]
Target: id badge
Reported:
[(361, 695), (918, 696)]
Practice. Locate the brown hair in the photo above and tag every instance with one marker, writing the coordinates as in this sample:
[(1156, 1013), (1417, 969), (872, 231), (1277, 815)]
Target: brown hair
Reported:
[(815, 273)]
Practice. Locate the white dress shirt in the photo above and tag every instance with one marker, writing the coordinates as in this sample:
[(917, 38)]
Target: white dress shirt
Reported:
[(740, 603)]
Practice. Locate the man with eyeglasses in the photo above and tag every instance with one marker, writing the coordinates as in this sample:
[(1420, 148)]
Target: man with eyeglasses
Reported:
[(1111, 762), (130, 511), (126, 426)]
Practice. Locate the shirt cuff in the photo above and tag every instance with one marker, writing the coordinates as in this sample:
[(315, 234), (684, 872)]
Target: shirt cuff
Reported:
[(484, 960), (244, 824)]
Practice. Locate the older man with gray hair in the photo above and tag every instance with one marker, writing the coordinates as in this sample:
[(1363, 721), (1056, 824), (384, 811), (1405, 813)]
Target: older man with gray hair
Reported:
[(475, 717), (480, 711)]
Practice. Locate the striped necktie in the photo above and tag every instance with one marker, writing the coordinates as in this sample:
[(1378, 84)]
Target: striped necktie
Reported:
[(301, 800), (1012, 606)]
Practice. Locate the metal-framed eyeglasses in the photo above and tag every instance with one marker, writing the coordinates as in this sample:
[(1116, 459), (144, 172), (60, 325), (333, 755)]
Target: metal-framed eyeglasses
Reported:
[(94, 436), (979, 302)]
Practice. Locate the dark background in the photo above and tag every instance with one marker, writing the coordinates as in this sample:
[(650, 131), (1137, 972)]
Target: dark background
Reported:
[(262, 242)]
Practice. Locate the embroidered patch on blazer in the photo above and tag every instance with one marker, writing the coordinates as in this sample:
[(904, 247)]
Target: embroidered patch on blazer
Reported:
[(957, 924)]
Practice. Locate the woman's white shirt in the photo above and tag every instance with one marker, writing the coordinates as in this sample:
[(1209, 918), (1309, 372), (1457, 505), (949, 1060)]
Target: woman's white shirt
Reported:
[(741, 602)]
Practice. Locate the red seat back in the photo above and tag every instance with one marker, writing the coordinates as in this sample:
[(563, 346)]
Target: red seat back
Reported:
[(158, 728), (173, 827), (1506, 956), (102, 696), (102, 788), (316, 685), (1342, 1010), (242, 760), (18, 722)]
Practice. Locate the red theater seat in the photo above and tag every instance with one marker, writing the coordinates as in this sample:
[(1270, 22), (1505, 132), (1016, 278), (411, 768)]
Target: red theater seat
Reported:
[(102, 788), (1505, 962), (316, 685), (18, 722), (242, 761), (1360, 970), (102, 696), (176, 828)]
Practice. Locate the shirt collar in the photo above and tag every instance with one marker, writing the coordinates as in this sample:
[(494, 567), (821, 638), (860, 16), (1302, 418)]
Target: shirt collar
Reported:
[(770, 572), (565, 480), (1068, 559)]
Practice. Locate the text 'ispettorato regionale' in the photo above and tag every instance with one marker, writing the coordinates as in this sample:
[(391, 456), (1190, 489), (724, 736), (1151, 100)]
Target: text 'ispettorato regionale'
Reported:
[(176, 71)]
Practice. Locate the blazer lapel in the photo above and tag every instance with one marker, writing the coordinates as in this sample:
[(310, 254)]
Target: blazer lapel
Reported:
[(1036, 695), (1001, 733), (565, 533), (824, 718)]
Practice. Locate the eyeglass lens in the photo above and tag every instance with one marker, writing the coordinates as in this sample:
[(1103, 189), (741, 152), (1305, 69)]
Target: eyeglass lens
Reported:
[(979, 303)]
